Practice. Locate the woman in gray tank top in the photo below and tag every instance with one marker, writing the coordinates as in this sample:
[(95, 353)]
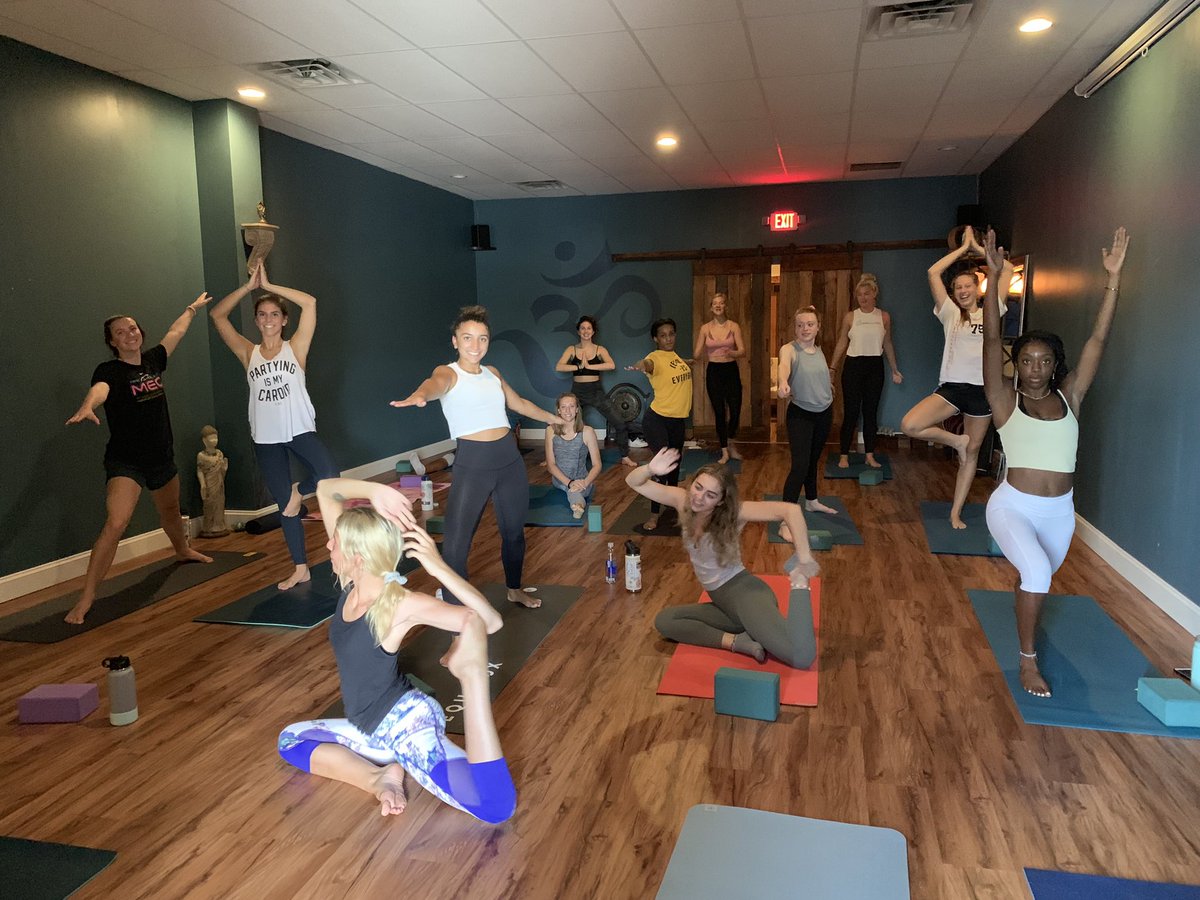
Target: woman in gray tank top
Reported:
[(573, 454), (804, 380), (743, 615)]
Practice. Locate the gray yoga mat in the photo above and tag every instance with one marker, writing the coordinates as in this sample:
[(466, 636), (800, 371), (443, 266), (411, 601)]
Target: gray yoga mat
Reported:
[(508, 649), (630, 521), (38, 870), (840, 526), (783, 856), (119, 596), (945, 539)]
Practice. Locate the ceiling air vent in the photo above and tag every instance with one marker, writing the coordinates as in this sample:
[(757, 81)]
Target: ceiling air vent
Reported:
[(550, 184), (875, 166), (308, 73), (918, 19)]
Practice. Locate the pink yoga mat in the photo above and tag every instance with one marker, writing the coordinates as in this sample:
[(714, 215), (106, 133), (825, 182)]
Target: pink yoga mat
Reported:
[(691, 671), (410, 493)]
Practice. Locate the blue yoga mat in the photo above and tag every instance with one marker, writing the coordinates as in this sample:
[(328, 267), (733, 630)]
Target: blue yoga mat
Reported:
[(725, 852), (974, 540), (858, 465), (1092, 667), (841, 527), (548, 507), (694, 459), (1047, 885)]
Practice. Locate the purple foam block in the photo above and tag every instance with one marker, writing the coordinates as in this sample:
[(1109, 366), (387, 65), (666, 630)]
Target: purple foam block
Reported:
[(57, 703), (410, 481)]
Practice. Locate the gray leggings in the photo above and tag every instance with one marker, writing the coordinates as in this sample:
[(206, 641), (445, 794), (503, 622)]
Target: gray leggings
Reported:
[(746, 604)]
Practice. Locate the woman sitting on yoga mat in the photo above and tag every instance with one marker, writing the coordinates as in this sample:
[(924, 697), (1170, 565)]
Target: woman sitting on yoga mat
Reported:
[(487, 462), (585, 361), (283, 423), (391, 727), (960, 388), (141, 450), (573, 455), (743, 616), (1032, 513), (804, 381)]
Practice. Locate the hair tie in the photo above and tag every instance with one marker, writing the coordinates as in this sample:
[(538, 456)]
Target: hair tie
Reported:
[(394, 577)]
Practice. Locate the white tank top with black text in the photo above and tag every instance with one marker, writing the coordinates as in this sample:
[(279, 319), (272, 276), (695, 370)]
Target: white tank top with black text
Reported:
[(280, 407), (866, 333)]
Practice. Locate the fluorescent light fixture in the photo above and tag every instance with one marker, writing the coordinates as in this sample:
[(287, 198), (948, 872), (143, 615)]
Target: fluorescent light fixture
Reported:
[(1159, 23), (669, 141), (948, 147), (1032, 26), (251, 93), (458, 176)]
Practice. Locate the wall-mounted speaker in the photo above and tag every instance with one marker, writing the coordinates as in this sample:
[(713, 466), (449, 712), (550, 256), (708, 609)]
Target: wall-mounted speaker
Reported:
[(481, 237)]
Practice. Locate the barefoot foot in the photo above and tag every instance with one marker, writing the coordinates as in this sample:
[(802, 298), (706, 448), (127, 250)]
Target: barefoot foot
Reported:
[(389, 790), (785, 532), (651, 524), (818, 506), (468, 652), (960, 444), (843, 461), (298, 577), (733, 452), (293, 504), (956, 522), (190, 555), (628, 461), (77, 612), (724, 457), (521, 598), (872, 462), (1031, 679)]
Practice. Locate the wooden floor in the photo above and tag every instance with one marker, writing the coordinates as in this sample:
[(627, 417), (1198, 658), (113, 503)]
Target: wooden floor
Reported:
[(915, 731)]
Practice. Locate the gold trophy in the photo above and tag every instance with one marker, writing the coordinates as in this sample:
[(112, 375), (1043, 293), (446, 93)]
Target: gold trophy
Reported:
[(259, 237)]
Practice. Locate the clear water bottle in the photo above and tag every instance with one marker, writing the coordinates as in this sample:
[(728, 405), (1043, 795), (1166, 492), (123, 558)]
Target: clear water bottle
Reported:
[(426, 493), (122, 692), (610, 567), (633, 567)]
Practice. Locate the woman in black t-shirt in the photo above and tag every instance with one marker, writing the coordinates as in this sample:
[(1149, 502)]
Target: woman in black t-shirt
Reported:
[(140, 452)]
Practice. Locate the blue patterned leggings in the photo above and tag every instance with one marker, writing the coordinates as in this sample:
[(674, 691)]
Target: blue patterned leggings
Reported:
[(413, 734)]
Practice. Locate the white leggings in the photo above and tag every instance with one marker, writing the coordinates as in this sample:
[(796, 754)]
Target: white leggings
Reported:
[(1034, 533)]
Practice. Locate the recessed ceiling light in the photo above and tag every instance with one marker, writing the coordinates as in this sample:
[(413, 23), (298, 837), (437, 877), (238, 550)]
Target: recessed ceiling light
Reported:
[(1038, 24), (458, 176), (251, 93), (667, 142), (949, 147)]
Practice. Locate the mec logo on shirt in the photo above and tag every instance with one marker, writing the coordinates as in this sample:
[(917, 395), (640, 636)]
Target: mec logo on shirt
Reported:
[(146, 387)]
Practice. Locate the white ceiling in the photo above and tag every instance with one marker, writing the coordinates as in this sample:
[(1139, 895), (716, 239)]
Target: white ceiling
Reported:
[(502, 91)]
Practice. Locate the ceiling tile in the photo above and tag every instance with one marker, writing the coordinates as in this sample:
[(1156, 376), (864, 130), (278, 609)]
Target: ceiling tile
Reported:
[(536, 147), (554, 18), (805, 96), (1028, 111), (511, 172), (336, 124), (329, 27), (598, 144), (1110, 27), (825, 157), (653, 13), (651, 110), (738, 135), (675, 52), (409, 121), (908, 86), (508, 69), (224, 81), (758, 8), (827, 128), (562, 112), (407, 153), (888, 124), (749, 157), (726, 101), (469, 150), (412, 75), (61, 46), (879, 151), (441, 24), (998, 35), (801, 44), (912, 51), (480, 117), (976, 120), (598, 62), (351, 96), (167, 84)]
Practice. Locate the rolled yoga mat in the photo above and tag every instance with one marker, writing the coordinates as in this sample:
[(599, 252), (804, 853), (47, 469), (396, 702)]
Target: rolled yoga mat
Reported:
[(508, 649), (858, 465), (840, 526), (1047, 885), (304, 606), (1091, 666), (691, 670), (38, 870), (945, 539), (119, 596), (548, 507), (637, 512), (725, 852)]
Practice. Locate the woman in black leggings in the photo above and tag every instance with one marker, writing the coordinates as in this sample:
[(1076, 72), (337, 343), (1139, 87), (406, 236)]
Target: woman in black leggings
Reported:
[(804, 380), (585, 361), (487, 463), (719, 341)]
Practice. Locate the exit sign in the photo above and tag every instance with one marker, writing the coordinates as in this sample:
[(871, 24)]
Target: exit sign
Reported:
[(784, 220)]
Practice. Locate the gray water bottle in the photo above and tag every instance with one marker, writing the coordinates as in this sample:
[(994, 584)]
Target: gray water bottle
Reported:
[(122, 693)]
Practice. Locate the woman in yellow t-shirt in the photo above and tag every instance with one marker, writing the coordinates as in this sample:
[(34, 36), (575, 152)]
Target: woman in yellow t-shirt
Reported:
[(664, 422)]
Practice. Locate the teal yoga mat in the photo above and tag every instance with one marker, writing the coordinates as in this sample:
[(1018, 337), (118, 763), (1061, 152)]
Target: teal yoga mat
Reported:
[(1048, 885), (841, 527), (37, 870), (858, 465), (944, 539), (725, 852), (548, 508), (694, 459), (1091, 666)]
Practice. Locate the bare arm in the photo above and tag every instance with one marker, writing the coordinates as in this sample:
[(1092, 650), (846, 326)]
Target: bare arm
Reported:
[(180, 326), (698, 352), (551, 462), (562, 365), (94, 398), (646, 365), (234, 340), (421, 547), (639, 479), (783, 384), (1076, 385), (843, 341), (937, 289), (332, 494), (888, 350), (1001, 397), (593, 445), (521, 406), (432, 388), (606, 363), (739, 346), (790, 515), (301, 339)]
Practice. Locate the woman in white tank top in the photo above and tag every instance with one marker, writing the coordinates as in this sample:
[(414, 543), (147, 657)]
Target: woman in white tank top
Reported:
[(487, 462), (283, 423)]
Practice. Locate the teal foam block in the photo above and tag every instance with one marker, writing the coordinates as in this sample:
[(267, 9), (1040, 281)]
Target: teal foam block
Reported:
[(595, 517), (404, 467), (1172, 701), (820, 540), (1092, 667), (751, 695), (728, 853), (870, 476)]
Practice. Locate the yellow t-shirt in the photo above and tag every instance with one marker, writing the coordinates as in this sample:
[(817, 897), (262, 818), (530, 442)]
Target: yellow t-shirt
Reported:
[(672, 383)]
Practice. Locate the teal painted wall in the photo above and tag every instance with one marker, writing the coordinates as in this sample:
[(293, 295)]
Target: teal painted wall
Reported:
[(552, 264), (388, 260), (101, 217), (1128, 156)]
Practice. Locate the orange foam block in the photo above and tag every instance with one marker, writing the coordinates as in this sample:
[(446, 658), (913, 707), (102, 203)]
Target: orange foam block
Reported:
[(691, 671)]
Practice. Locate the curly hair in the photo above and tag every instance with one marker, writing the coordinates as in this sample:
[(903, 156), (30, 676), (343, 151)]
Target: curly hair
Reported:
[(378, 543), (659, 323), (1054, 342), (723, 525), (470, 314), (591, 320)]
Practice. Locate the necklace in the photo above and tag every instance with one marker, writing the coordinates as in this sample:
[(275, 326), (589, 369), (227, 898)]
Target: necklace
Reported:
[(1030, 397)]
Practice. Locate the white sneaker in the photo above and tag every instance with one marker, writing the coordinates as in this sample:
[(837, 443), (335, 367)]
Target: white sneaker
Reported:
[(638, 442), (691, 445)]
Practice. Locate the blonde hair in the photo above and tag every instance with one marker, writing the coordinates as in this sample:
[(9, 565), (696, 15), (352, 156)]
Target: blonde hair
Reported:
[(558, 429), (807, 309), (723, 525), (378, 543), (867, 280)]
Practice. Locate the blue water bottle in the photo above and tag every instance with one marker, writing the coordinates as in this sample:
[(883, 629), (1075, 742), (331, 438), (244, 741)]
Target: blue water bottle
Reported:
[(610, 567)]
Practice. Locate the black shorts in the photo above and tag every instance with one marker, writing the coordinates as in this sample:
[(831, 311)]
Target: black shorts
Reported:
[(968, 399), (150, 477)]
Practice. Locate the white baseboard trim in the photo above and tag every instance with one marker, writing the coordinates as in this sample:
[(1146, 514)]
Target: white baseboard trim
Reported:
[(18, 584), (1171, 601)]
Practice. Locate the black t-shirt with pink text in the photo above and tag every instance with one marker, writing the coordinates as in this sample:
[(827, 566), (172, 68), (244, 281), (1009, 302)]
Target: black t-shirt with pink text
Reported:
[(139, 424)]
